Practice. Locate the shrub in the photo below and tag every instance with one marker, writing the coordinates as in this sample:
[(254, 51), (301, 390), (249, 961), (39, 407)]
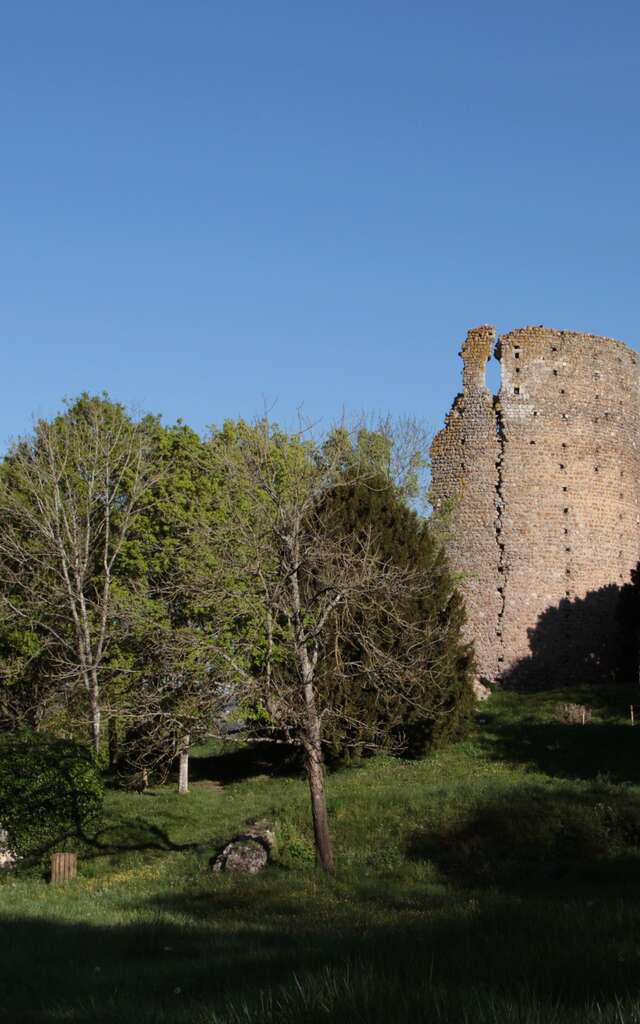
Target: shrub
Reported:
[(50, 792)]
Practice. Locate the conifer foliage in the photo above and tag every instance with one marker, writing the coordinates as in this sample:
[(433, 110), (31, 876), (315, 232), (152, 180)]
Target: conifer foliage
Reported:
[(434, 701)]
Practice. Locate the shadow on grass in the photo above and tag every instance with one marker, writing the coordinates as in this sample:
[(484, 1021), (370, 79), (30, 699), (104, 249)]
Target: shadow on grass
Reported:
[(255, 965), (570, 751), (132, 834), (246, 761), (537, 835)]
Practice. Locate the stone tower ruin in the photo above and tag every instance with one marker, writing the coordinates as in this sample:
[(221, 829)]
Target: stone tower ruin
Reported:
[(539, 486)]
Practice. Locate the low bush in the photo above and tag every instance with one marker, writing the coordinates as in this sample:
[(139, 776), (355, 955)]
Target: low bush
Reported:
[(50, 793)]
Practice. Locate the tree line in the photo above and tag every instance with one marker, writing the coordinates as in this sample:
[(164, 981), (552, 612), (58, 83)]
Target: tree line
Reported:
[(156, 586)]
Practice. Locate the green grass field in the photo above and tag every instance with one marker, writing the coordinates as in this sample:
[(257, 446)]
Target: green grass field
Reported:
[(496, 881)]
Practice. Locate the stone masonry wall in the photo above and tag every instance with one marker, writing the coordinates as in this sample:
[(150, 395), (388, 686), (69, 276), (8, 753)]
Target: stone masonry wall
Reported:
[(542, 483), (464, 458)]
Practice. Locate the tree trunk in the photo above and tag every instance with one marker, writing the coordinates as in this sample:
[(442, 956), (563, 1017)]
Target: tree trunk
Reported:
[(315, 775), (112, 730), (183, 775), (95, 720)]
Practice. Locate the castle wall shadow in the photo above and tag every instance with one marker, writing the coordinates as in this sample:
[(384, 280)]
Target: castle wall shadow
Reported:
[(589, 640)]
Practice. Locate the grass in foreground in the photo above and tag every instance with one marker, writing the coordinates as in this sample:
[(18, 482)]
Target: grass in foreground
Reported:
[(497, 881)]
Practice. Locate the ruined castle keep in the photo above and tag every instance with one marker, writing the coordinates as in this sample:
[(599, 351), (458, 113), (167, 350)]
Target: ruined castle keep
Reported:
[(541, 488)]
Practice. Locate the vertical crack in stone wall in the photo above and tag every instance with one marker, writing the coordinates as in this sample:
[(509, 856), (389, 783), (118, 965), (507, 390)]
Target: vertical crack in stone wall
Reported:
[(499, 520)]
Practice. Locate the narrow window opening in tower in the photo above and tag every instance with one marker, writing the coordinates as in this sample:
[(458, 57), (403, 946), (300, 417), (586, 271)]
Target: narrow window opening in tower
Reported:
[(516, 391), (493, 376), (555, 373)]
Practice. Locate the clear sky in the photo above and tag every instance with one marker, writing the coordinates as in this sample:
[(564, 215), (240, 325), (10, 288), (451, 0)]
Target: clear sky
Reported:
[(212, 206)]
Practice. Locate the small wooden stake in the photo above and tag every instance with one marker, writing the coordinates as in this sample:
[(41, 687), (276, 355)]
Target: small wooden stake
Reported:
[(64, 867), (631, 712)]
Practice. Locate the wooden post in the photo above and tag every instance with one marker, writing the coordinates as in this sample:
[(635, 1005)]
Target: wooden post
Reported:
[(631, 712), (584, 716), (63, 867)]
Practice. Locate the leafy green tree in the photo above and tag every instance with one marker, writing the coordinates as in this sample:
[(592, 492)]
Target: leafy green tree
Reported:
[(281, 579), (98, 515), (167, 690), (69, 495)]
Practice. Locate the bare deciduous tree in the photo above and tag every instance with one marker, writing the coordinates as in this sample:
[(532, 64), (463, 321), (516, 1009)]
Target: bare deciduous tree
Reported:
[(69, 495), (282, 582)]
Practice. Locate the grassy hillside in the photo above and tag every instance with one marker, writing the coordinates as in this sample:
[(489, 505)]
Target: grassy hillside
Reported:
[(497, 881)]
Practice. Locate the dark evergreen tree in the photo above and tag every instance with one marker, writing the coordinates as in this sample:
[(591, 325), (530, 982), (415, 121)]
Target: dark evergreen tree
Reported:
[(431, 706)]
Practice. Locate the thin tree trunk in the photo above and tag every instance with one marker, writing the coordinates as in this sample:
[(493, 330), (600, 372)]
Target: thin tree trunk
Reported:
[(95, 719), (315, 775), (183, 775), (112, 730)]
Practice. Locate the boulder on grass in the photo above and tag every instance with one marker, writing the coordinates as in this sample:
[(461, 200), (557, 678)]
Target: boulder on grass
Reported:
[(247, 853)]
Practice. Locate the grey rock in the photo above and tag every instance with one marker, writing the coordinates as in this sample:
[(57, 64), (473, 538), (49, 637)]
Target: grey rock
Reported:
[(247, 853)]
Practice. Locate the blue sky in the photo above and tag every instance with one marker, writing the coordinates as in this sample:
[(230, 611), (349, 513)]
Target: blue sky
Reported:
[(209, 207)]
